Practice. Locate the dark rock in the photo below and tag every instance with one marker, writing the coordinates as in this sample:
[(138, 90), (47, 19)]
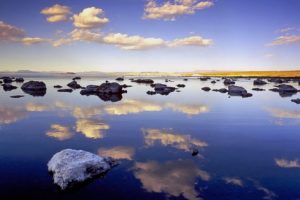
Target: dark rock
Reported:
[(258, 89), (228, 81), (34, 88), (238, 91), (213, 82), (285, 90), (74, 85), (222, 90), (162, 88), (259, 82), (185, 79), (20, 80), (145, 81), (195, 152), (206, 89), (89, 90), (297, 101), (8, 87), (126, 86), (120, 79), (65, 90), (76, 78), (7, 80), (16, 96), (57, 86), (110, 97), (110, 88), (151, 92), (204, 78), (181, 85)]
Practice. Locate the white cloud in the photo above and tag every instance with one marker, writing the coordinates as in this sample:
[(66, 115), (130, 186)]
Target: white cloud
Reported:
[(90, 18), (10, 33), (132, 42), (170, 9), (285, 40), (191, 41), (287, 163), (34, 40), (56, 13)]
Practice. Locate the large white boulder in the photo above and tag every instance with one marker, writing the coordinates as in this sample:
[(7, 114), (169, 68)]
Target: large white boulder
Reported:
[(73, 166)]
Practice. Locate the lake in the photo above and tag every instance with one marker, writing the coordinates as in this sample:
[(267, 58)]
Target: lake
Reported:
[(249, 148)]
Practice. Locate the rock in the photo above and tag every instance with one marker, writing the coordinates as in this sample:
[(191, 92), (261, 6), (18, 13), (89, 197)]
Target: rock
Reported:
[(1, 82), (162, 88), (19, 80), (285, 90), (75, 166), (259, 82), (126, 86), (195, 152), (185, 79), (7, 80), (206, 89), (65, 90), (145, 81), (275, 80), (238, 91), (34, 88), (181, 85), (57, 86), (120, 79), (228, 81), (16, 96), (110, 97), (74, 85), (8, 87), (222, 90), (297, 101), (258, 89), (151, 92), (110, 88), (76, 78), (204, 78), (89, 90), (213, 82)]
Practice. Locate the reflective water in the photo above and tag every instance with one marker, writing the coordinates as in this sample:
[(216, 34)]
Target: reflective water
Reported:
[(248, 147)]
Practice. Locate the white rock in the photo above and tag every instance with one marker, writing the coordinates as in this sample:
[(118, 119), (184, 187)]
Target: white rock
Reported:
[(73, 166)]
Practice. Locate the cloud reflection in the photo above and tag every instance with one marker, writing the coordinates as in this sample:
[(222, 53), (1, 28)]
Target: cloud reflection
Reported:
[(59, 132), (91, 128), (166, 137), (175, 178), (287, 163), (11, 114), (118, 152)]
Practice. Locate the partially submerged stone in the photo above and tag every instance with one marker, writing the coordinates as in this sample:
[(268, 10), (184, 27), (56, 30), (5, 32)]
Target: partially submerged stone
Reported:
[(297, 101), (74, 85), (34, 88), (8, 87), (75, 166), (206, 89), (259, 82), (145, 81), (228, 81), (238, 91), (285, 90)]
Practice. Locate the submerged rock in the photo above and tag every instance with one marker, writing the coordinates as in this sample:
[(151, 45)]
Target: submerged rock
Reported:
[(74, 85), (76, 78), (151, 92), (238, 91), (8, 87), (195, 152), (16, 96), (7, 79), (34, 88), (222, 90), (110, 88), (74, 166), (120, 79), (89, 90), (110, 97), (285, 90), (213, 82), (259, 82), (206, 89), (204, 78), (258, 89), (162, 89), (297, 101)]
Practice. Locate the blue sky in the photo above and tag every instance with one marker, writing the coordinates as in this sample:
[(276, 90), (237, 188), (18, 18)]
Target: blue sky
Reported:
[(149, 35)]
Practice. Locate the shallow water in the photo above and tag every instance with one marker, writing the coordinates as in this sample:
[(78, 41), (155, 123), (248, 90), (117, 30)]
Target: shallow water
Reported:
[(248, 147)]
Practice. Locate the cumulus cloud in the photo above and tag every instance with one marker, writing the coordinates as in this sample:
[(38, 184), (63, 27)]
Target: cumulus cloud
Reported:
[(10, 33), (34, 40), (59, 132), (191, 41), (174, 178), (90, 18), (56, 13), (287, 163), (285, 40), (170, 9)]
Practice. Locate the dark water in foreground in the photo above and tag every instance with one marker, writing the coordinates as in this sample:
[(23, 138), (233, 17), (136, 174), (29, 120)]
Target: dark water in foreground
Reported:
[(248, 147)]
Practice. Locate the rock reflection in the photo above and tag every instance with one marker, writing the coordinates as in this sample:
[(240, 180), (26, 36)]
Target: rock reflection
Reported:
[(175, 178), (91, 128), (118, 152), (166, 137), (59, 132), (110, 97)]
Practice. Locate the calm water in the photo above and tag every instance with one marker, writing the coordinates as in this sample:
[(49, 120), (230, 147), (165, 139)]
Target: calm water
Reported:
[(248, 147)]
